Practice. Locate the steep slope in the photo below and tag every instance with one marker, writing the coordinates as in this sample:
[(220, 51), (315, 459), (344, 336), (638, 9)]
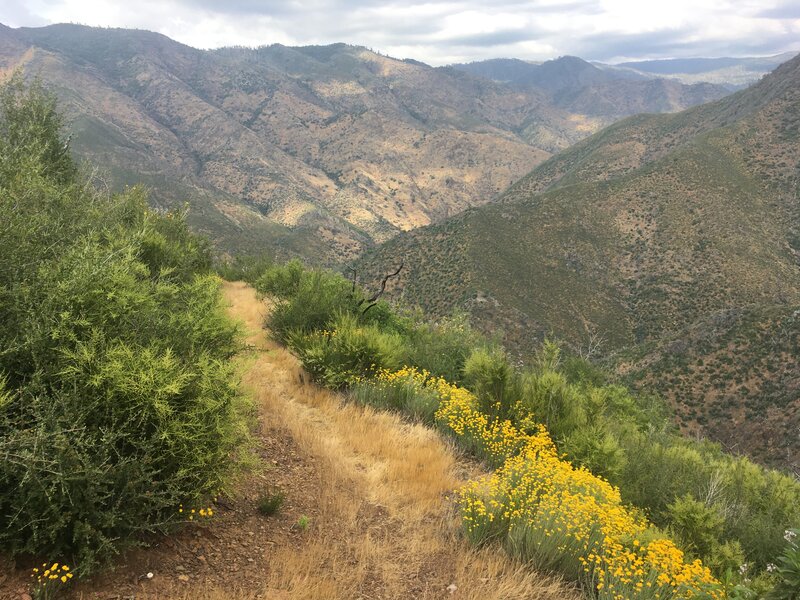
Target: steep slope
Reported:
[(632, 235), (321, 150), (734, 375)]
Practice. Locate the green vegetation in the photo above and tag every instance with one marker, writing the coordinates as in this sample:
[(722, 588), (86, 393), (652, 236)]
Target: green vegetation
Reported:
[(721, 508), (117, 399), (269, 504), (302, 522), (735, 374)]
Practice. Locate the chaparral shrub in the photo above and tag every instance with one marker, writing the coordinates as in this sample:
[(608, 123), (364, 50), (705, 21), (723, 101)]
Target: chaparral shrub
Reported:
[(117, 402)]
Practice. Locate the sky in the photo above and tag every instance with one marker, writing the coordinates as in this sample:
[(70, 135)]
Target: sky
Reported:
[(441, 32)]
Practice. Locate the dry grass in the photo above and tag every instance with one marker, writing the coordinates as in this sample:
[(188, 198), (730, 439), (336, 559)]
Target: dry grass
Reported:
[(386, 527)]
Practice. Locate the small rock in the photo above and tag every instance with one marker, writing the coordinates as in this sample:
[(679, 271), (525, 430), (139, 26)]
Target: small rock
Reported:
[(452, 588), (183, 578), (250, 560), (25, 596), (201, 558), (180, 568)]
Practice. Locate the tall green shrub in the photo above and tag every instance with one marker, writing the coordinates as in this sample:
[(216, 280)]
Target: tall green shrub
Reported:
[(118, 401)]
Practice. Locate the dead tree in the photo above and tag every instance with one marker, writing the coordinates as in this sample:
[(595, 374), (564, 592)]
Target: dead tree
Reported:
[(373, 300)]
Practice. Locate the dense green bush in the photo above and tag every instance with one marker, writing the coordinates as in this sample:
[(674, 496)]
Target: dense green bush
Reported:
[(348, 352), (118, 403), (788, 569), (489, 374), (441, 348), (281, 281)]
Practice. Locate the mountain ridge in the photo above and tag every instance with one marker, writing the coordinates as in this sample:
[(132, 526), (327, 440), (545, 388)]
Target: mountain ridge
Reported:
[(328, 149)]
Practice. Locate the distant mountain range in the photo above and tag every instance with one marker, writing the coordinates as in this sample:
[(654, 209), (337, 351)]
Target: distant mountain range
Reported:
[(735, 73), (674, 237), (320, 151), (570, 73)]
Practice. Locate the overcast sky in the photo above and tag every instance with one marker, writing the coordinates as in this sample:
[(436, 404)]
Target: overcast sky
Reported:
[(440, 32)]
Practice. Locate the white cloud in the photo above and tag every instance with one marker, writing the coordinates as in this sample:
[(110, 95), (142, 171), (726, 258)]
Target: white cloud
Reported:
[(440, 32)]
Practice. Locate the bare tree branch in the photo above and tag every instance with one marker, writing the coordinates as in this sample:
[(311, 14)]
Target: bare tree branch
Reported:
[(374, 299)]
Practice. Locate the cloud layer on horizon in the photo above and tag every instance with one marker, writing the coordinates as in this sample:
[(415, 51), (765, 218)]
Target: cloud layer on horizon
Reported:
[(446, 31)]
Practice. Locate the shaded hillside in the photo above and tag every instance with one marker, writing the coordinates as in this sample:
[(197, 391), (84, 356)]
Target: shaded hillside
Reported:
[(320, 150), (633, 235)]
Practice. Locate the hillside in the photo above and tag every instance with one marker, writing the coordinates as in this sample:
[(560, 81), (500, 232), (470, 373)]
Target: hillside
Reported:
[(634, 234), (319, 151), (734, 375), (578, 86)]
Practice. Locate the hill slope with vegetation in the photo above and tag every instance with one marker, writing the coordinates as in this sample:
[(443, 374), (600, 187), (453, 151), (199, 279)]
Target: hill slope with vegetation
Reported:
[(591, 480), (632, 235), (319, 150)]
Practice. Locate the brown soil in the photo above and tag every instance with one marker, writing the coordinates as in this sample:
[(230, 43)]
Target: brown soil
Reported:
[(374, 490)]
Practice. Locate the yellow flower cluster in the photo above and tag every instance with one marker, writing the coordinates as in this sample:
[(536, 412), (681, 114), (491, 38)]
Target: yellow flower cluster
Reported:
[(53, 574), (203, 512), (564, 517)]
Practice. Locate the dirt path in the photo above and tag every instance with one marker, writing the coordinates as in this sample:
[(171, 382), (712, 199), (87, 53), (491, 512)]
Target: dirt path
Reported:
[(373, 490)]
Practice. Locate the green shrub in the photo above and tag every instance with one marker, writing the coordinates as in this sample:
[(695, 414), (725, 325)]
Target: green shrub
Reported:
[(788, 569), (489, 374), (442, 348), (281, 281), (404, 395), (318, 299), (269, 504), (118, 403), (245, 268), (550, 399), (596, 449), (346, 353), (696, 524)]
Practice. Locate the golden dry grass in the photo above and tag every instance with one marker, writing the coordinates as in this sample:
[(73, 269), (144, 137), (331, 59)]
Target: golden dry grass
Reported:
[(386, 526)]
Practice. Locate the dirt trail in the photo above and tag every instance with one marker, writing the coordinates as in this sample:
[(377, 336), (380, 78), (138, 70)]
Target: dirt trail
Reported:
[(374, 490)]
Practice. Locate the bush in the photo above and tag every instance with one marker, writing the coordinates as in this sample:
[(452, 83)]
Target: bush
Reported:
[(245, 268), (401, 391), (698, 525), (442, 348), (318, 299), (347, 353), (788, 569), (281, 281), (488, 373), (118, 401), (269, 504)]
